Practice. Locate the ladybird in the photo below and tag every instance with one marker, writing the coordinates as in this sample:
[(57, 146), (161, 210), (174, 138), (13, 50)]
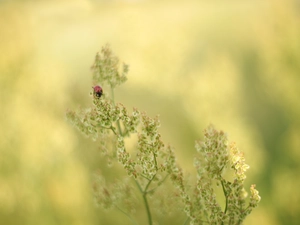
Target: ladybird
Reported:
[(98, 91)]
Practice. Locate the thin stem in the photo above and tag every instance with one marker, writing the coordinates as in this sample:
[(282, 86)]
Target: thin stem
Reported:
[(226, 195), (142, 175), (155, 161), (158, 184), (132, 220), (147, 208), (144, 193), (139, 186), (113, 100), (111, 128), (186, 221), (149, 184)]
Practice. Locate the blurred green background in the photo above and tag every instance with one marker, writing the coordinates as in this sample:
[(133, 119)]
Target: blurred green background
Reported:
[(235, 64)]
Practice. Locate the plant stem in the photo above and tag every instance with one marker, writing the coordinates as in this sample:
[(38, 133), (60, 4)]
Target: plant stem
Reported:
[(132, 220), (226, 196), (186, 221), (144, 193), (158, 184), (113, 100), (155, 161), (149, 184), (147, 208)]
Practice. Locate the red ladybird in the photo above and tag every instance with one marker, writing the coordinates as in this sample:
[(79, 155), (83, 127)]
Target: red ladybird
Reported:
[(98, 91)]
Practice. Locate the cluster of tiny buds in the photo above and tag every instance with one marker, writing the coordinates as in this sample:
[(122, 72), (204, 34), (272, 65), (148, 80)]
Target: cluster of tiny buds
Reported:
[(215, 156), (106, 68), (255, 198), (113, 195), (214, 150), (153, 162), (238, 162)]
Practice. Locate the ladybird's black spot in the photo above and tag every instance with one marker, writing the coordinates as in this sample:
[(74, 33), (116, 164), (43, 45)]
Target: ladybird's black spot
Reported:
[(98, 94)]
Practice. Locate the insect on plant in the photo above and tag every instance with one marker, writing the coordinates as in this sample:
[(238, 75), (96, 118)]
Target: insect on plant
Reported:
[(98, 91), (154, 178)]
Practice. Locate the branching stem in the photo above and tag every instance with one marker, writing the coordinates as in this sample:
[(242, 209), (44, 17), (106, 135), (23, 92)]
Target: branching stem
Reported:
[(226, 196), (144, 194), (159, 183), (132, 220), (113, 100)]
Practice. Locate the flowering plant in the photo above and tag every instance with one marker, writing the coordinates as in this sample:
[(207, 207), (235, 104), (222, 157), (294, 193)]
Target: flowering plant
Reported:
[(151, 166)]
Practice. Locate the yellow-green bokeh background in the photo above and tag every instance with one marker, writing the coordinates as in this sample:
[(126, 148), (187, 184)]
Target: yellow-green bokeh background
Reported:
[(235, 64)]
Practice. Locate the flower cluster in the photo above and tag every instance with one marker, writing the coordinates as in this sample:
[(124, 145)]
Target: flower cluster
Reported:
[(106, 68), (177, 177), (150, 164), (118, 194), (215, 155), (237, 161), (214, 152), (83, 121), (149, 146), (125, 159), (254, 197)]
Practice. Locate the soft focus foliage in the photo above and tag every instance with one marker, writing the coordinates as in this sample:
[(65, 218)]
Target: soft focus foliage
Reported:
[(233, 63)]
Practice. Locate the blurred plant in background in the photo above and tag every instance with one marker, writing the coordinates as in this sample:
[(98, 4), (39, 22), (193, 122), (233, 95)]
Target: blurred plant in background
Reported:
[(150, 163), (233, 63)]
